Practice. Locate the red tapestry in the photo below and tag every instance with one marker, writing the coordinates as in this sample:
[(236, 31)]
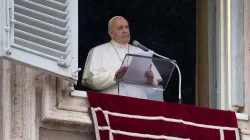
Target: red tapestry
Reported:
[(125, 118)]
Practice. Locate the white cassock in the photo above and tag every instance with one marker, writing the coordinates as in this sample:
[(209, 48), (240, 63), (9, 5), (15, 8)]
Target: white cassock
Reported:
[(101, 65)]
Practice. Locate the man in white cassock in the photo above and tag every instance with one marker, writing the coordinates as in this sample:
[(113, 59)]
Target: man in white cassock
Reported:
[(103, 65)]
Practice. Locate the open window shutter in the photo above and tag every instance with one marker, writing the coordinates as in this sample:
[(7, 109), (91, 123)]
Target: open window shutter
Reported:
[(44, 34)]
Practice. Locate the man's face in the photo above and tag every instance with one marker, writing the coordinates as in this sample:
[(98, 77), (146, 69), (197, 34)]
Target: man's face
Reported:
[(120, 31)]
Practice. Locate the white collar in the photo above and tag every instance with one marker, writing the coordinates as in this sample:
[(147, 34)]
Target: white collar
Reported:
[(117, 44)]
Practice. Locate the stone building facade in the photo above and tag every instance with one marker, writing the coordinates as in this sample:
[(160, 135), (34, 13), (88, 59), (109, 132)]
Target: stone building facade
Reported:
[(38, 105)]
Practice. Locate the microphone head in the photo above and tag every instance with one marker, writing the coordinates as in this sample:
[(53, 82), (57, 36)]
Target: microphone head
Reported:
[(135, 42)]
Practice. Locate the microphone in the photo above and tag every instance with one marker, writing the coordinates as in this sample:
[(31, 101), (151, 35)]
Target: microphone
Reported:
[(139, 45)]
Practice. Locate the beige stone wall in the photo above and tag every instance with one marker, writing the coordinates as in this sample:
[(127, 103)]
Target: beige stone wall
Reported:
[(245, 125), (36, 106), (46, 134)]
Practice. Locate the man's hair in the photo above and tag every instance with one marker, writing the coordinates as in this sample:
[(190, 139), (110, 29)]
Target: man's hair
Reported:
[(111, 20)]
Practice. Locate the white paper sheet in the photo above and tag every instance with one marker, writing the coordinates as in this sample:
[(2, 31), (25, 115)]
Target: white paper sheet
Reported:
[(137, 67)]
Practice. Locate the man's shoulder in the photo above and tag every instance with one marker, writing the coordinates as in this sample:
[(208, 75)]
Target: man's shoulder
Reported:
[(108, 45), (102, 46)]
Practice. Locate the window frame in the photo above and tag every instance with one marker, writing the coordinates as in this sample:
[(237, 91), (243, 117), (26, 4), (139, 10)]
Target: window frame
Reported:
[(224, 55)]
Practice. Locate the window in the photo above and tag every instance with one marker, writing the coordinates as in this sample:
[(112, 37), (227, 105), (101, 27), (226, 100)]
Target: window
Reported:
[(41, 34), (157, 25)]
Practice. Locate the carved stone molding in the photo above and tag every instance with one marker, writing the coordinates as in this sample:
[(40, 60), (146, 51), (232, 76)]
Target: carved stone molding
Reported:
[(30, 99), (59, 108), (18, 101), (67, 102), (5, 91)]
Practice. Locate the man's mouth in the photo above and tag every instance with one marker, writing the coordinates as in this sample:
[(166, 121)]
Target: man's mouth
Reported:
[(125, 35)]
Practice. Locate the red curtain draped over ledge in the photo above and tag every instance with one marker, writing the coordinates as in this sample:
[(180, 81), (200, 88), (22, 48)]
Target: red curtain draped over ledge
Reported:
[(125, 118)]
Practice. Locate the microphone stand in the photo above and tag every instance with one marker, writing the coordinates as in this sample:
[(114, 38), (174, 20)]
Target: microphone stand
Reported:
[(178, 69)]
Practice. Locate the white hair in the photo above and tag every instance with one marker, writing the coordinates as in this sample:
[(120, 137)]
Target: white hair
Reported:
[(110, 21)]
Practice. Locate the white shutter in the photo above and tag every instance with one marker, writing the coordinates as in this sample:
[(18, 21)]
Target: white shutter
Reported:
[(44, 34)]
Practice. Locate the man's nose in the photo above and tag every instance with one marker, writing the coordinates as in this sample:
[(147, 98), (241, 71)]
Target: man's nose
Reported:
[(125, 30)]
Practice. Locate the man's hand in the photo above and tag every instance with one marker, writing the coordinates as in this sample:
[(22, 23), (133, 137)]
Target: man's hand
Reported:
[(149, 75), (120, 73)]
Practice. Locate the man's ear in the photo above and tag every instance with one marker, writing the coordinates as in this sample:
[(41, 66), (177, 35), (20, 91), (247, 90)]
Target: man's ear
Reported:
[(110, 33)]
